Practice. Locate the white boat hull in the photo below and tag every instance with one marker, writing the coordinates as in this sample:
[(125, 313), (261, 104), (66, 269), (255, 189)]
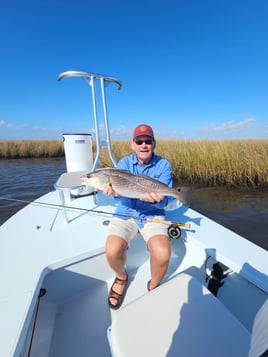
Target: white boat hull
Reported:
[(68, 261)]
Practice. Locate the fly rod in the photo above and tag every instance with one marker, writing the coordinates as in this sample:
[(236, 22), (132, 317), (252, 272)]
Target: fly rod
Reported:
[(147, 219)]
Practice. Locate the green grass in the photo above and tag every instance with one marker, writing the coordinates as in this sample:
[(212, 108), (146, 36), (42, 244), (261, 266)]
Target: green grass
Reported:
[(207, 162)]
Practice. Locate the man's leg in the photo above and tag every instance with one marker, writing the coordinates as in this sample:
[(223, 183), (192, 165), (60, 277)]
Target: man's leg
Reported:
[(116, 256), (116, 248), (160, 252)]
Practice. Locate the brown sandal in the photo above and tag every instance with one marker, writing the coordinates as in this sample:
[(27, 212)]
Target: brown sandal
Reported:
[(116, 296), (148, 286)]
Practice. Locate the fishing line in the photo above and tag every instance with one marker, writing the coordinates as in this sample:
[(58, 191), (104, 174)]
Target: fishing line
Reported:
[(147, 219)]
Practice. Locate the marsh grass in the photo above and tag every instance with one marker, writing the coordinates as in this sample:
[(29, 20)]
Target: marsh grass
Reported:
[(230, 162), (214, 162), (18, 149)]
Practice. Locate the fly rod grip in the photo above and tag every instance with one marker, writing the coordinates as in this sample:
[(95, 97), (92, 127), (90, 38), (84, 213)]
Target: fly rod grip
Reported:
[(155, 220), (186, 225)]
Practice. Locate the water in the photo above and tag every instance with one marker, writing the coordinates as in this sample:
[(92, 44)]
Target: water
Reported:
[(26, 180), (244, 212)]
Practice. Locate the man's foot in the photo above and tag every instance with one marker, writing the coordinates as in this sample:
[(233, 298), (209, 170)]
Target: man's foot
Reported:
[(117, 292)]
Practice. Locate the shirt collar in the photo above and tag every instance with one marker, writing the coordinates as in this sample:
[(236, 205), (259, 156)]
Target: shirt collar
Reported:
[(136, 162)]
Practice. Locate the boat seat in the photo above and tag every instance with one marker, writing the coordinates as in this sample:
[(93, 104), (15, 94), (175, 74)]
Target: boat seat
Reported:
[(259, 339), (181, 317), (70, 181)]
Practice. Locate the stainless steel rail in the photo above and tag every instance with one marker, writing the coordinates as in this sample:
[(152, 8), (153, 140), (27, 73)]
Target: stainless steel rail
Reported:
[(104, 80)]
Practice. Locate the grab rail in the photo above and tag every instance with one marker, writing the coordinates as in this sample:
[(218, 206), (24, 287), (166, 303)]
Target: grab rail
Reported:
[(90, 79)]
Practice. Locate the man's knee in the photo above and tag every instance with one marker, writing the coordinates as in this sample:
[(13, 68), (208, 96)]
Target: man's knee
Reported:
[(159, 247), (115, 245)]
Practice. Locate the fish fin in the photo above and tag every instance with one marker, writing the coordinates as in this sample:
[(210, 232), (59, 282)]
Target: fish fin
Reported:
[(148, 178), (183, 194), (123, 171), (109, 170), (143, 176)]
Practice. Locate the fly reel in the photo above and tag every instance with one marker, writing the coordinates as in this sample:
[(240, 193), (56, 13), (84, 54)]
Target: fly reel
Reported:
[(174, 231)]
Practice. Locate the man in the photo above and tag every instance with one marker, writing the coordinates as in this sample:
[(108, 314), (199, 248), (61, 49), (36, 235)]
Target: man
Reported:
[(121, 231)]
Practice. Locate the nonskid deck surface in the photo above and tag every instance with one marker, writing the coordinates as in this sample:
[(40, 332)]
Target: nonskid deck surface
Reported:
[(80, 323), (74, 320), (56, 246), (74, 316)]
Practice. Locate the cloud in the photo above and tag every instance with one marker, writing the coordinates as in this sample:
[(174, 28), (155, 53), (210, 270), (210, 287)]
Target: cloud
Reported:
[(122, 132), (228, 126), (118, 133), (12, 125), (39, 128)]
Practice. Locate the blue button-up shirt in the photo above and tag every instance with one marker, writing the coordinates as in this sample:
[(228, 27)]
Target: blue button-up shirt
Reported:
[(158, 168)]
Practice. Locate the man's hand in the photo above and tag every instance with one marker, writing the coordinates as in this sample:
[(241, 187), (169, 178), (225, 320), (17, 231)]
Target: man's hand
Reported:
[(152, 197), (108, 190)]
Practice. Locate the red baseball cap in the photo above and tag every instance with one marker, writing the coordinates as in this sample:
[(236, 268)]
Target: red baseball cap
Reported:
[(143, 129)]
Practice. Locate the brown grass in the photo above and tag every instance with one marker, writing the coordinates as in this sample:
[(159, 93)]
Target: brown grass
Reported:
[(16, 149), (213, 162)]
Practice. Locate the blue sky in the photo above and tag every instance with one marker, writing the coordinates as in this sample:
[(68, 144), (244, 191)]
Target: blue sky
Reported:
[(193, 69)]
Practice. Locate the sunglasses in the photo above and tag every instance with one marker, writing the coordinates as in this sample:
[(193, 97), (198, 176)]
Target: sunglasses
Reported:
[(147, 141)]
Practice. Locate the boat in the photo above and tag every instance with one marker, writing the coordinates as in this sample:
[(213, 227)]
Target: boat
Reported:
[(55, 278)]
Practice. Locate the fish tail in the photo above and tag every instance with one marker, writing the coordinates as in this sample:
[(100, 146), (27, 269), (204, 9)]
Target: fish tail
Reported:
[(183, 194)]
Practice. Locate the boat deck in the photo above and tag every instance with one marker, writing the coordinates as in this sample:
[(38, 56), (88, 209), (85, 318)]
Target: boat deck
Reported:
[(68, 261), (74, 317)]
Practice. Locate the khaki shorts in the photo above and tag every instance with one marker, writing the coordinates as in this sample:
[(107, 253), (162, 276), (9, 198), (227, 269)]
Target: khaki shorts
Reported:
[(128, 228)]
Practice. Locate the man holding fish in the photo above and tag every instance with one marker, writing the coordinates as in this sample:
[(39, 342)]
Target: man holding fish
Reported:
[(141, 182)]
